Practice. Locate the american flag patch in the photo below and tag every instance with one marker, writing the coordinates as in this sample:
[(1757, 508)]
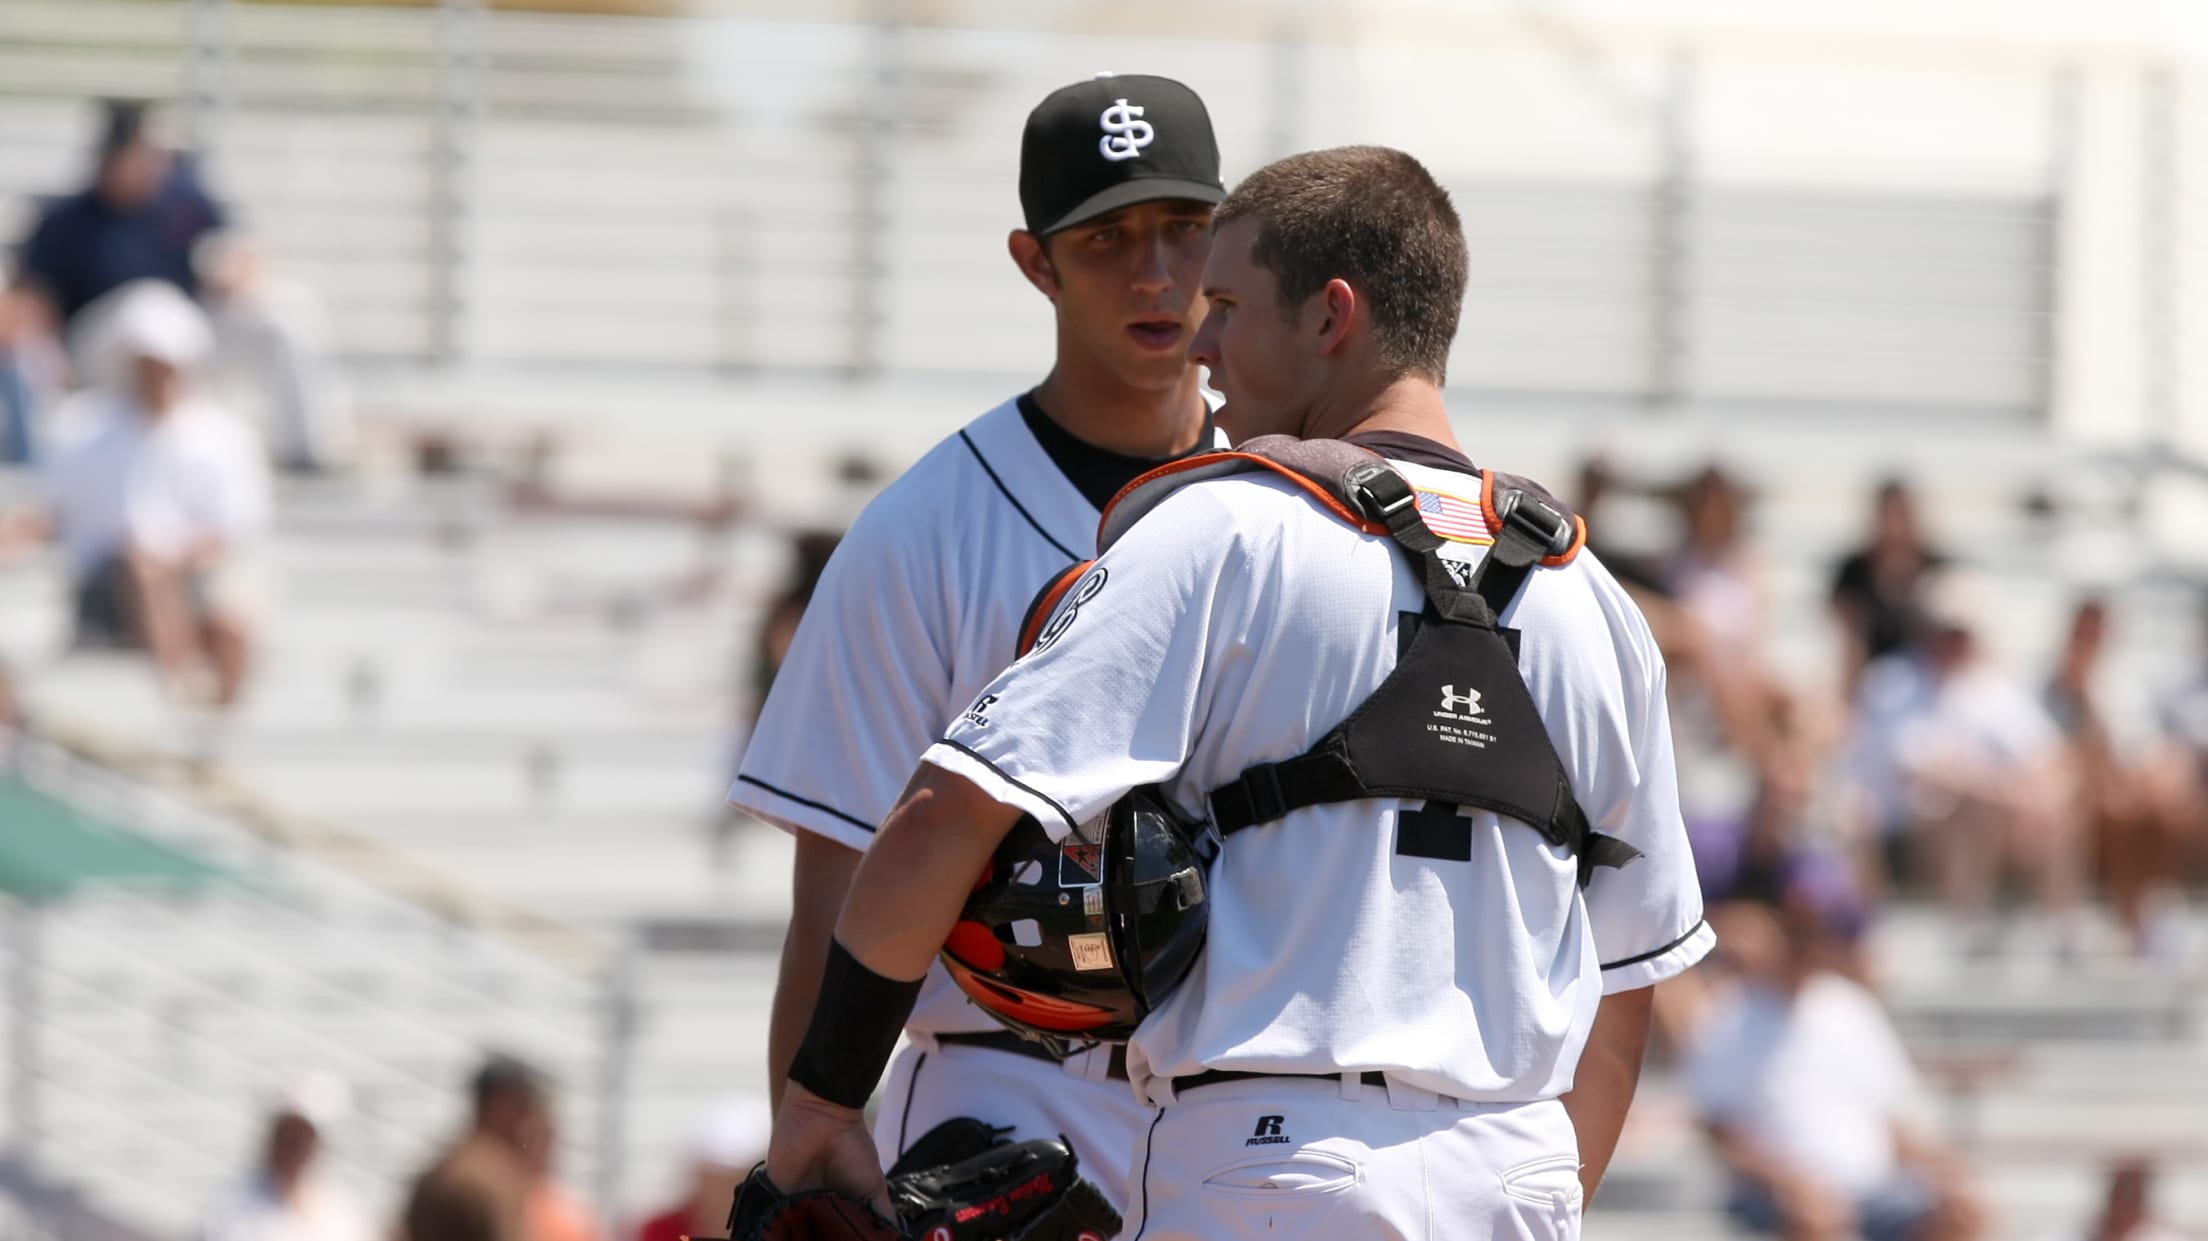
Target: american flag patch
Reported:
[(1452, 518)]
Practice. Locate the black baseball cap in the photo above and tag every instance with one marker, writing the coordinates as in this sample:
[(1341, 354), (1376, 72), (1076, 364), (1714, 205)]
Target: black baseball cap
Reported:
[(1111, 142)]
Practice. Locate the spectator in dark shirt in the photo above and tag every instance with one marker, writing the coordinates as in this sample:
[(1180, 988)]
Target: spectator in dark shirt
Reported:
[(1875, 589), (139, 219)]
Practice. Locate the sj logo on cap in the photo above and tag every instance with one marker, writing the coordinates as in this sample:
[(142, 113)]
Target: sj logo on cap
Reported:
[(1125, 132)]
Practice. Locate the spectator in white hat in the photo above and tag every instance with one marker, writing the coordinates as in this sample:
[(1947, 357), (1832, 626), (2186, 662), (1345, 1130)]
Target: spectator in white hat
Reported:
[(286, 1198), (157, 496)]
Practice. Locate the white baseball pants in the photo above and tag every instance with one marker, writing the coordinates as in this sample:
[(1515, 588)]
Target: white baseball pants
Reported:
[(1288, 1159)]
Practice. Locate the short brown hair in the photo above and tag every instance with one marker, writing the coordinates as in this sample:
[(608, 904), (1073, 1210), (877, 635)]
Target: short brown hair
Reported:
[(1376, 218)]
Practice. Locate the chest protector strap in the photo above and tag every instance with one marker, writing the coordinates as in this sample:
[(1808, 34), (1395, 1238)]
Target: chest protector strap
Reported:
[(1454, 723)]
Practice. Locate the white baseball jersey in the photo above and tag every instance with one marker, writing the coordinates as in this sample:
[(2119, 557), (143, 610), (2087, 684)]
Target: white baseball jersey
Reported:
[(1237, 623), (919, 608)]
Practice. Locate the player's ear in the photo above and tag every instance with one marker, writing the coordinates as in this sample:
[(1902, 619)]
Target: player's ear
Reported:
[(1033, 261), (1334, 307)]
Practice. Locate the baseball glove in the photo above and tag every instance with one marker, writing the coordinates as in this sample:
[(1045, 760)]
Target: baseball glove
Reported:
[(764, 1213), (1016, 1191), (1021, 1191)]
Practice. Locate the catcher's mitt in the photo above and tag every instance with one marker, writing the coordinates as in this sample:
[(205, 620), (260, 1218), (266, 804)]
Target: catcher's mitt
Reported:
[(1022, 1191), (1009, 1192), (764, 1213)]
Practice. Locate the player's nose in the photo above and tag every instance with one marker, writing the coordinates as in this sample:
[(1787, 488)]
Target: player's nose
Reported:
[(1154, 274), (1203, 347)]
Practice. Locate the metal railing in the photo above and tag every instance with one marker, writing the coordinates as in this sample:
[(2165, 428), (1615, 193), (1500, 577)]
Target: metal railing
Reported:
[(145, 1026)]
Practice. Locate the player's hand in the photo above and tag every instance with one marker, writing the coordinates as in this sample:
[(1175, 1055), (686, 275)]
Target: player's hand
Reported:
[(823, 1145)]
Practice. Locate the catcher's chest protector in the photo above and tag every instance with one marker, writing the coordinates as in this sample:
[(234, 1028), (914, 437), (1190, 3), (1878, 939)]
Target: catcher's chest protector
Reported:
[(1453, 724)]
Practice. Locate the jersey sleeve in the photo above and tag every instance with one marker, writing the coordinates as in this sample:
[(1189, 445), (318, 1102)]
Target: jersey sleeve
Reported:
[(1118, 686), (1646, 914), (862, 691)]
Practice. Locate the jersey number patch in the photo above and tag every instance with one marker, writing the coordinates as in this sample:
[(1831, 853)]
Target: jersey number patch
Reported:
[(1070, 610)]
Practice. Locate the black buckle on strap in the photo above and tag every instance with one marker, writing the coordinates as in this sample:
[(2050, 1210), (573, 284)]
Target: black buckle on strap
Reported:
[(1360, 484), (1261, 785), (1538, 523)]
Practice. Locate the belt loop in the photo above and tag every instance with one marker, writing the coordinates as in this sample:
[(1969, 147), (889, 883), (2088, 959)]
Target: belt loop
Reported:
[(1160, 1091), (1404, 1097), (1353, 1085), (1081, 1065)]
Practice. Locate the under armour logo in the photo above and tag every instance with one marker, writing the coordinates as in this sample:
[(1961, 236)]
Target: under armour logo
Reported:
[(1468, 701), (1125, 132)]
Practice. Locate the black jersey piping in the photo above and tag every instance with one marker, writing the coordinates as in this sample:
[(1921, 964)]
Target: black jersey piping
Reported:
[(823, 807), (1024, 787), (1011, 499), (912, 1090), (1149, 1142), (1650, 956)]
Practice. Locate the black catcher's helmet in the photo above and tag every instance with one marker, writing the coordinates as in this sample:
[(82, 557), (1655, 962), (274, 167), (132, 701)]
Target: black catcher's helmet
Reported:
[(1077, 942)]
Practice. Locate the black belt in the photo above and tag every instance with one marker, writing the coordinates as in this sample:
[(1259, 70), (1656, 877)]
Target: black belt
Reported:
[(1005, 1040), (1213, 1077)]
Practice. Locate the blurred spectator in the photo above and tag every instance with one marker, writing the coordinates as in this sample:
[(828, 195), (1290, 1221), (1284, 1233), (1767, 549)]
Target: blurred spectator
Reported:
[(1876, 586), (157, 496), (1731, 718), (2131, 815), (1771, 859), (810, 550), (732, 1139), (273, 361), (138, 220), (32, 371), (479, 1189), (555, 1212), (286, 1199), (2127, 1211), (1773, 862), (1803, 1084), (1962, 767), (1714, 575), (1598, 484), (2178, 772)]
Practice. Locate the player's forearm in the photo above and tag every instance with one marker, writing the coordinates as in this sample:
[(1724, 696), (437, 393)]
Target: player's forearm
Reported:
[(820, 878), (914, 880), (796, 989), (904, 897), (1609, 1072)]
